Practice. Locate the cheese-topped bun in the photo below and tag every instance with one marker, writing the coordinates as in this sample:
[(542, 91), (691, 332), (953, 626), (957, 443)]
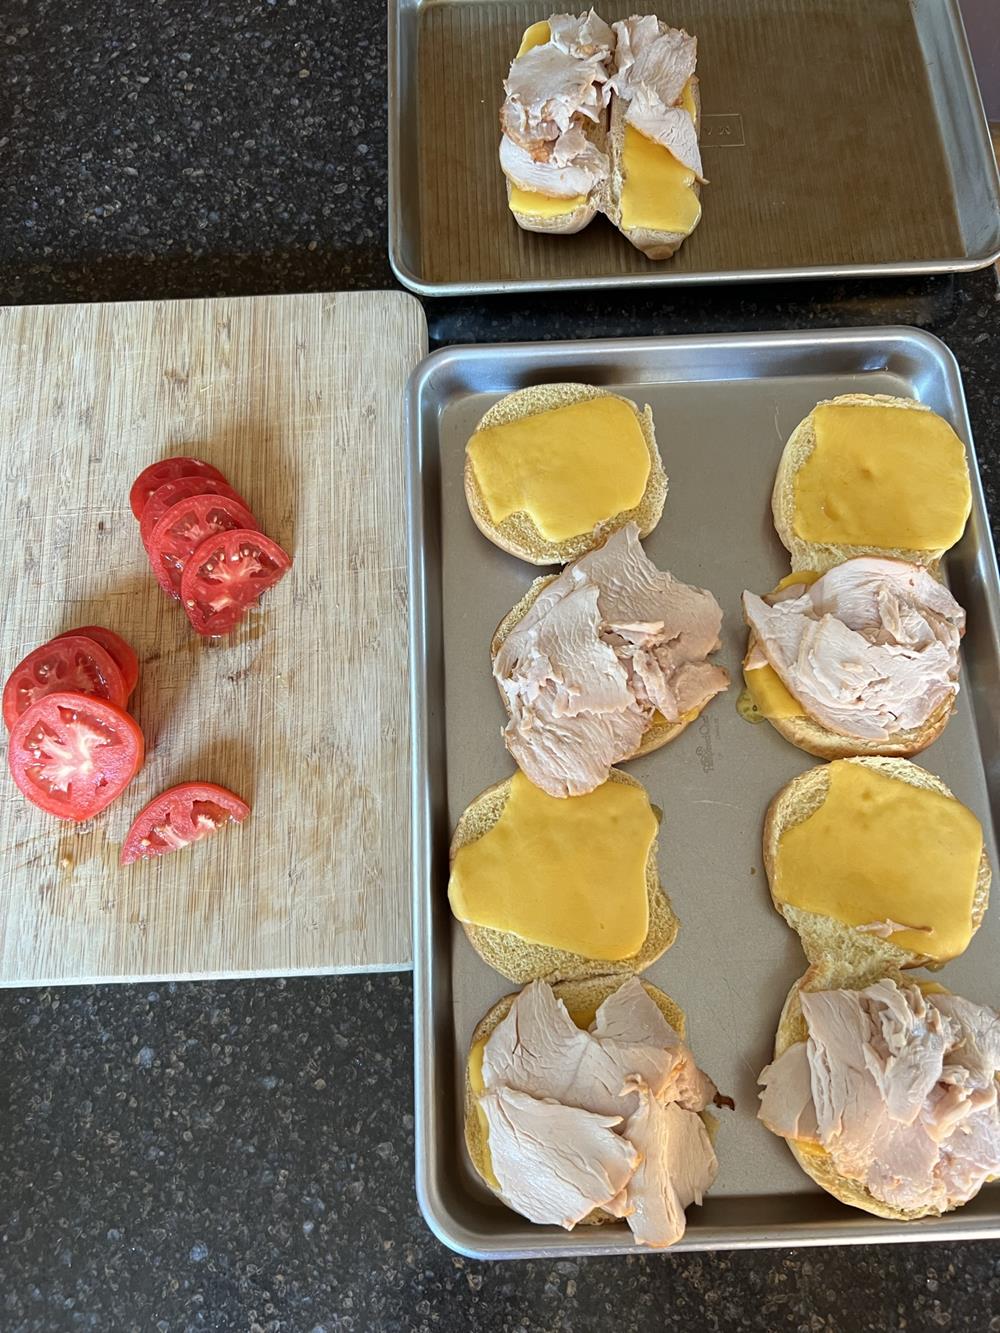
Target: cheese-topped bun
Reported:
[(873, 862), (552, 470), (656, 172), (561, 889), (863, 659), (604, 662), (584, 1105), (865, 1085), (556, 185), (870, 474)]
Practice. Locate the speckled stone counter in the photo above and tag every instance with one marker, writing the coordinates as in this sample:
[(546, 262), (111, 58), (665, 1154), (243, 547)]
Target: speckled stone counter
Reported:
[(239, 1156)]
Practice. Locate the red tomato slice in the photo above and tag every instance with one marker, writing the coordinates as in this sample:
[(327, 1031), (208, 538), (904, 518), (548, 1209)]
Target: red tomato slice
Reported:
[(152, 477), (72, 662), (181, 488), (123, 653), (226, 575), (180, 816), (72, 754), (184, 527)]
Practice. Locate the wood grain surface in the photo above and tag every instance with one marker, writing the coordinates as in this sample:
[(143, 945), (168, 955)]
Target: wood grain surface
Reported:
[(303, 712)]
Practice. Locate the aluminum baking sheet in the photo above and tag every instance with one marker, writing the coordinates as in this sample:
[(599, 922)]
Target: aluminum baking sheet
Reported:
[(723, 408), (840, 137)]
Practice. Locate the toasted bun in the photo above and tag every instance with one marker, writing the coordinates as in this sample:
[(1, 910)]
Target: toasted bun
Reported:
[(814, 1160), (653, 244), (829, 944), (577, 996), (522, 961), (517, 533), (801, 442), (816, 739), (566, 224), (656, 734)]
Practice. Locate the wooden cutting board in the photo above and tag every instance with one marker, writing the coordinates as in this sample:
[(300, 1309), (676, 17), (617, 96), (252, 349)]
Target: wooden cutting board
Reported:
[(298, 399)]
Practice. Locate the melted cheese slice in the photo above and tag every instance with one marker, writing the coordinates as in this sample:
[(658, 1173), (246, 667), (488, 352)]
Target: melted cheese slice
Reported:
[(568, 873), (536, 205), (657, 190), (771, 696), (878, 849), (569, 468), (882, 477), (537, 35)]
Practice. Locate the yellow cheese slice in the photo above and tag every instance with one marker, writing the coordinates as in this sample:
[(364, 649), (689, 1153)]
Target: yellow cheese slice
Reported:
[(536, 205), (878, 849), (537, 35), (882, 477), (770, 695), (569, 468), (657, 190), (568, 873)]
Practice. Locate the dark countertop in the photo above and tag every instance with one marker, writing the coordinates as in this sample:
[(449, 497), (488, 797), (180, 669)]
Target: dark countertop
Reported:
[(239, 1156)]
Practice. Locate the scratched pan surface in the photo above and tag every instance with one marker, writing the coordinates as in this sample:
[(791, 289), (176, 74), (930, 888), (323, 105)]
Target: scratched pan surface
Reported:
[(839, 137), (723, 408)]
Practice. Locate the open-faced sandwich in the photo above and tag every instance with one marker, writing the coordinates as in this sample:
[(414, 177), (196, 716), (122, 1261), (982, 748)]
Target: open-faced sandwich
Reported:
[(584, 1105), (561, 889), (604, 662)]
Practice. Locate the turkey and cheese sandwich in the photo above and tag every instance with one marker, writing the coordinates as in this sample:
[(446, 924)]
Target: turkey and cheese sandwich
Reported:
[(551, 471), (561, 889), (553, 123), (584, 1105), (860, 660), (604, 119), (857, 651), (886, 1090), (656, 172), (604, 662), (876, 864)]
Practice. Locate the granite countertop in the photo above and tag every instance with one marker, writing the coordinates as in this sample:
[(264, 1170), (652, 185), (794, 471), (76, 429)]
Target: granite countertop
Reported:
[(239, 1156)]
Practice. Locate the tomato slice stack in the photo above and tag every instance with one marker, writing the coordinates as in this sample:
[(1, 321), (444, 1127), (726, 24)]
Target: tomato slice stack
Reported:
[(203, 542), (73, 748)]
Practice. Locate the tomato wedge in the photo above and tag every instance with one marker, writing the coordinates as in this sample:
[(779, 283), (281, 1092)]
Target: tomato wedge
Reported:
[(166, 470), (184, 527), (180, 816), (71, 754), (123, 653), (181, 488), (72, 662), (226, 575)]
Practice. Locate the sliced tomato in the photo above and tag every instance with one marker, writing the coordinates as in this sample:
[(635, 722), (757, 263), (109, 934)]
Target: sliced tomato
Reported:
[(184, 527), (71, 662), (123, 653), (226, 575), (180, 816), (166, 470), (72, 754), (181, 488)]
